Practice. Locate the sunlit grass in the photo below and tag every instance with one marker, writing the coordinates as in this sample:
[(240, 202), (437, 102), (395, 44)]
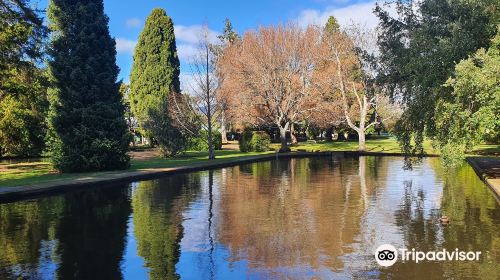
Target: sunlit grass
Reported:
[(379, 145)]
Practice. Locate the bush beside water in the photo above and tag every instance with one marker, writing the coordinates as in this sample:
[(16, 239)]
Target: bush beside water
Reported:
[(258, 141), (200, 143), (244, 141)]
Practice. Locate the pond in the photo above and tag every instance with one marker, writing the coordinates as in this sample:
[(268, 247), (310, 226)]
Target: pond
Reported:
[(310, 218)]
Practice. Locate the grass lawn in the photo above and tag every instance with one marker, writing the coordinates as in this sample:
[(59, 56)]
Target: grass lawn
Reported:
[(382, 145), (379, 145), (40, 172)]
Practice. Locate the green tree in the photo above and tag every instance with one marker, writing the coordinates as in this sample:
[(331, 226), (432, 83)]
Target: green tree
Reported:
[(154, 78), (23, 101), (88, 128), (418, 52), (22, 34), (331, 26), (472, 113)]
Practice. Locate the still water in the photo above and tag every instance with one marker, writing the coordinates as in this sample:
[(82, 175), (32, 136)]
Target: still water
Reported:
[(316, 218)]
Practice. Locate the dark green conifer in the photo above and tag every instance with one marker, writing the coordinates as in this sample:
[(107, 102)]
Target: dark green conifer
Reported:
[(88, 128)]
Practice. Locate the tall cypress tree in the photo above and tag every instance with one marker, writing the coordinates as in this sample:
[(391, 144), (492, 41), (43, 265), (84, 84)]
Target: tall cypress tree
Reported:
[(88, 128), (155, 75)]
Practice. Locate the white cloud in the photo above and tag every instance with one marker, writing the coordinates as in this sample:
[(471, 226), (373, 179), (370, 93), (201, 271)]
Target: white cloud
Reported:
[(186, 51), (192, 34), (125, 46), (361, 13), (133, 22), (188, 38)]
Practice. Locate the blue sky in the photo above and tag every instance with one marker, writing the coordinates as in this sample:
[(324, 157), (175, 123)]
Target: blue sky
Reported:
[(127, 19)]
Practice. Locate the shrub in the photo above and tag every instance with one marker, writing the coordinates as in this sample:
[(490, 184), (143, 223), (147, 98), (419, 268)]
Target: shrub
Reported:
[(199, 143), (260, 141), (22, 129), (244, 141)]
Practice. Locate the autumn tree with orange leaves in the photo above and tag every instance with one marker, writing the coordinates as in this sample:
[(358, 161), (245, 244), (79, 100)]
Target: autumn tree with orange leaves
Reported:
[(272, 70)]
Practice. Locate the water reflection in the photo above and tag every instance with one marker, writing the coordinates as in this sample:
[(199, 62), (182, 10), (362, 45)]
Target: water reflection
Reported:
[(318, 218), (300, 217), (77, 236), (158, 207)]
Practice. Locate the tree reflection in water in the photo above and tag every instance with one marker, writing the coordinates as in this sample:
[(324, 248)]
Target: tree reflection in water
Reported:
[(80, 235), (158, 206), (303, 216)]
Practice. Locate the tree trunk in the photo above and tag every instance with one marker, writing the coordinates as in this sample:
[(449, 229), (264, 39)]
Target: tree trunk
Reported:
[(292, 134), (211, 153), (284, 147), (362, 141), (223, 127), (362, 120), (329, 133)]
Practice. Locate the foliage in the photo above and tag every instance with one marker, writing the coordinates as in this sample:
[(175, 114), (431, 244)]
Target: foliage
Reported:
[(276, 91), (154, 77), (244, 141), (199, 142), (86, 117), (346, 69), (418, 52), (22, 35), (23, 118), (23, 101), (472, 113), (228, 36), (170, 139), (312, 131), (260, 141), (35, 173)]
